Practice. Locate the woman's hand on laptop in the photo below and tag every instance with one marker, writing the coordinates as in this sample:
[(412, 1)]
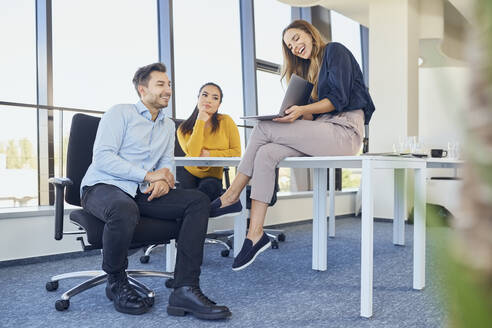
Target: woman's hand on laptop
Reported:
[(291, 114)]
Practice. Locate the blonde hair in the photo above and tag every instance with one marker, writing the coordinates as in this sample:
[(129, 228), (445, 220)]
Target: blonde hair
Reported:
[(305, 68)]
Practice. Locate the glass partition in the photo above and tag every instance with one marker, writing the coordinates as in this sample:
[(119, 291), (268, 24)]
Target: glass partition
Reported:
[(18, 54), (207, 48), (97, 47), (18, 157)]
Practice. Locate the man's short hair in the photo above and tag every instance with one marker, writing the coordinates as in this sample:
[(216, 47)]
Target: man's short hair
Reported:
[(142, 75)]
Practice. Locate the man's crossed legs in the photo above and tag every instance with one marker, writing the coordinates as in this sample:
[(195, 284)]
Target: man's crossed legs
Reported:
[(121, 213)]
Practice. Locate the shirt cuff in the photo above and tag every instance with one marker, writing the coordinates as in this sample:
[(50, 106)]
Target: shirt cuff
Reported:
[(335, 102), (139, 174)]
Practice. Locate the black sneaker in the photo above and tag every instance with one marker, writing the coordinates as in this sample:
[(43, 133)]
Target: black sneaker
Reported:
[(189, 299), (125, 298), (231, 210), (249, 252)]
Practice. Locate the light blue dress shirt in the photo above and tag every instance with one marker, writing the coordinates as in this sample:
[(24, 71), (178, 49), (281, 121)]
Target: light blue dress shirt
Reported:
[(129, 144)]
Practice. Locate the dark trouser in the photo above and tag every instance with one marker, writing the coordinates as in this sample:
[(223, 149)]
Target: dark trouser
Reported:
[(121, 213), (212, 187)]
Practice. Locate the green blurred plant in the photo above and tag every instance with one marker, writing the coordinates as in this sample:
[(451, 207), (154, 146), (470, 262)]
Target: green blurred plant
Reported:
[(465, 253)]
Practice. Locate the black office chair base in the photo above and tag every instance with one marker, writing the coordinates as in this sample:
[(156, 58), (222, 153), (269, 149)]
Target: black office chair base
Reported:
[(97, 278), (211, 239), (146, 257), (225, 252)]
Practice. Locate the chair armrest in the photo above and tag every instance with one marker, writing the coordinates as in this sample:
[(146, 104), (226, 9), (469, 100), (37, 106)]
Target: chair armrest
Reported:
[(60, 184), (226, 177), (365, 141)]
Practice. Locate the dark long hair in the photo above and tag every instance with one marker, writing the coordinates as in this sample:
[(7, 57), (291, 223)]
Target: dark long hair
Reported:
[(187, 126)]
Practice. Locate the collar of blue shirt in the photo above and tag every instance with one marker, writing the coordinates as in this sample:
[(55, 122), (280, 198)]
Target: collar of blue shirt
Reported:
[(145, 112)]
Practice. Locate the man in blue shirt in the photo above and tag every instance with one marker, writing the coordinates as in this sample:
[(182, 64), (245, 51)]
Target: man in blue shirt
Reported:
[(131, 174)]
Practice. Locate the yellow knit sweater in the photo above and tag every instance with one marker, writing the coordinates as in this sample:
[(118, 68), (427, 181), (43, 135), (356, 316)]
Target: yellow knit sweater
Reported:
[(224, 142)]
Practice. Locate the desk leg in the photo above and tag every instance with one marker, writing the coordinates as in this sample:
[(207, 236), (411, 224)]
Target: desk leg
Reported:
[(331, 190), (419, 218), (319, 220), (240, 225), (170, 256), (400, 208), (366, 252)]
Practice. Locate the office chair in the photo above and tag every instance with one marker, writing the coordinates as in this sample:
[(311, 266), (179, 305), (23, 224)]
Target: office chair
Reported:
[(148, 230), (210, 238)]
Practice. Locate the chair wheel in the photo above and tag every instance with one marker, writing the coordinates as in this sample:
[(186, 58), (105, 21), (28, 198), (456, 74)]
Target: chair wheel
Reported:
[(51, 286), (149, 301), (62, 305), (281, 237), (144, 259), (274, 244), (169, 283), (224, 253)]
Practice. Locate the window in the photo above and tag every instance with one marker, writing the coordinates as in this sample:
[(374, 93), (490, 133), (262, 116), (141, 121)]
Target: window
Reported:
[(94, 59), (18, 157), (97, 47), (18, 132), (207, 48), (269, 50), (18, 55), (271, 17), (347, 32)]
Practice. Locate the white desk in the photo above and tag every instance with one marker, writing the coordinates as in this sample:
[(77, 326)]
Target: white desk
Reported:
[(400, 194), (320, 233)]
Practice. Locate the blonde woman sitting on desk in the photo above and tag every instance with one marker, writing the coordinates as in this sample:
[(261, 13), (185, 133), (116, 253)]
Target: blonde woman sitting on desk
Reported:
[(331, 124), (207, 133)]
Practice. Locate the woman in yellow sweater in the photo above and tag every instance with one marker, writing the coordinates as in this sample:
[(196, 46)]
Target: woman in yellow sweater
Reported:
[(207, 133)]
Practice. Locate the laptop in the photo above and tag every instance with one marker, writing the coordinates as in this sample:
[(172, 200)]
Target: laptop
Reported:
[(298, 92)]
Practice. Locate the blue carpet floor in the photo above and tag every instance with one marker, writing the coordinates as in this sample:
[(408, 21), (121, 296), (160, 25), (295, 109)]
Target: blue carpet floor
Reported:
[(279, 290)]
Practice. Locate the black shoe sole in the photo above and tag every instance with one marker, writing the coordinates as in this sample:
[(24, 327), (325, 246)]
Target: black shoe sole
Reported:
[(118, 308), (181, 312)]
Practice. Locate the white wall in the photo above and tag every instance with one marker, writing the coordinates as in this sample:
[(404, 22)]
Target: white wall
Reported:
[(393, 84), (443, 97), (33, 236)]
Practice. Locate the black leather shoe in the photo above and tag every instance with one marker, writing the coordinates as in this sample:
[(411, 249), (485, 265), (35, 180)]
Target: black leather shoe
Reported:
[(189, 299), (125, 298)]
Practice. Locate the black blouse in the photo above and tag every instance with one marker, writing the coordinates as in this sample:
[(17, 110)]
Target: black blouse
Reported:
[(340, 80)]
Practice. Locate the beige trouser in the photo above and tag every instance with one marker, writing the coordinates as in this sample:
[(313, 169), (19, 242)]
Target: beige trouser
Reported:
[(270, 142)]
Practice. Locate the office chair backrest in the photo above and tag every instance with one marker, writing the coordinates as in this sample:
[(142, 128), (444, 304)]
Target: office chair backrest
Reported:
[(178, 151), (365, 141), (79, 153)]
